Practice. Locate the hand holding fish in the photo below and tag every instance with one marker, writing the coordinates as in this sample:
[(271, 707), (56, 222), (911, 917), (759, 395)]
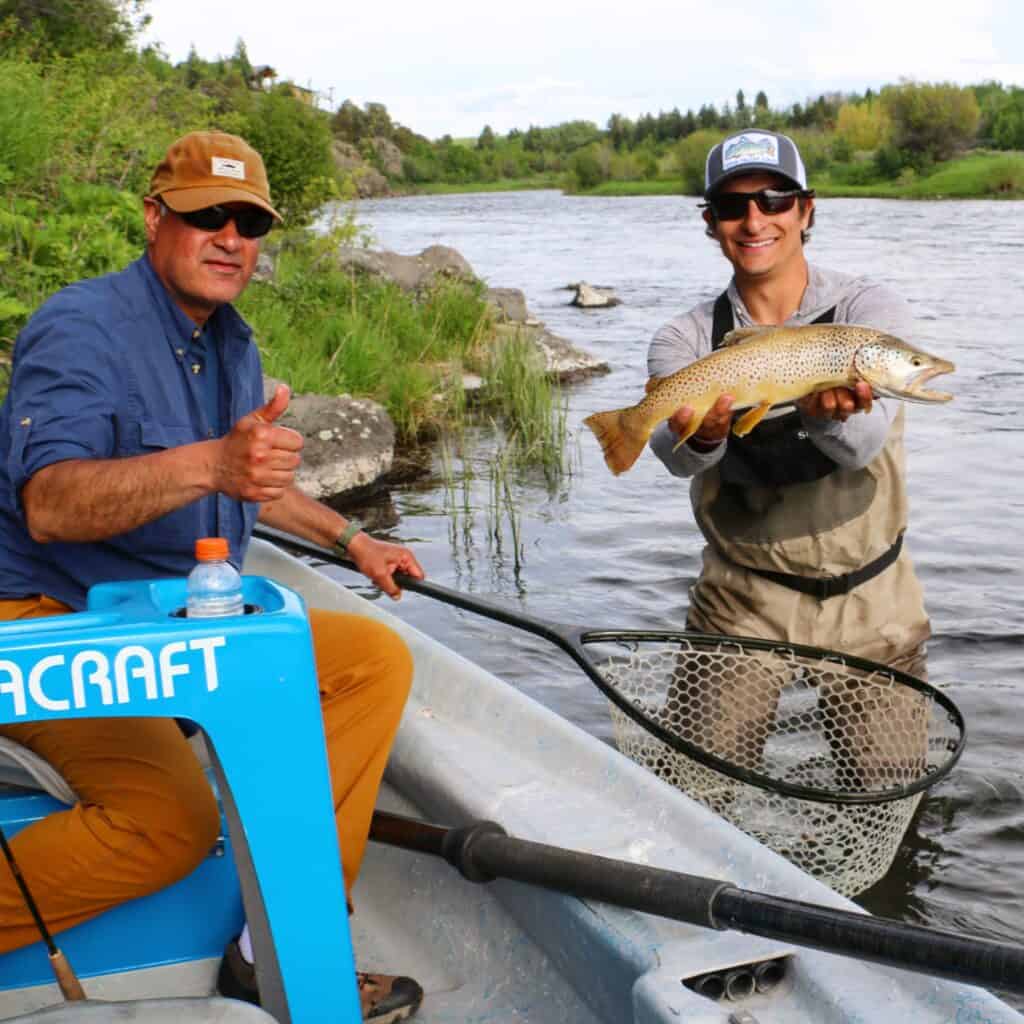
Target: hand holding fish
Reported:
[(835, 368), (713, 429), (838, 403)]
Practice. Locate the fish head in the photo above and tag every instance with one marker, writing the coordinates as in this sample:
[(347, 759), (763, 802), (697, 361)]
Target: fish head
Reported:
[(895, 369)]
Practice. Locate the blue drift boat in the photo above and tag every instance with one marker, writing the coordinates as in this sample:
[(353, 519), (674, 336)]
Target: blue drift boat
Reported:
[(470, 749)]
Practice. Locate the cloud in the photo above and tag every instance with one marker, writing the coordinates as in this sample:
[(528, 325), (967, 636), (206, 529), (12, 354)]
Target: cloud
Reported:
[(449, 68)]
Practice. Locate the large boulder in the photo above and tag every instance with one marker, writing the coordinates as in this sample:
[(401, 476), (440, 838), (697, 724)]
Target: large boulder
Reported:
[(414, 274), (508, 305), (349, 442)]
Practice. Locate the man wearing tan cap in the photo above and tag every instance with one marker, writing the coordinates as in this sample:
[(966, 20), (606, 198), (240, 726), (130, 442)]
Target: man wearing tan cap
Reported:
[(135, 423)]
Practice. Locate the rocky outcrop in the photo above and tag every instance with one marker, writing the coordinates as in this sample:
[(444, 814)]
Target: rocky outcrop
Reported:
[(349, 442), (508, 305), (590, 297), (389, 156), (414, 274), (367, 180)]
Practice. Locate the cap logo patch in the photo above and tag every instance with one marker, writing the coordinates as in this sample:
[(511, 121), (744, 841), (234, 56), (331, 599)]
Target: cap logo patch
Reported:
[(225, 167), (750, 148)]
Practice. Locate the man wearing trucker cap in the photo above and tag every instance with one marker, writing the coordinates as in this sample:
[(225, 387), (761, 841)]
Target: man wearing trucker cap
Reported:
[(804, 517), (136, 423)]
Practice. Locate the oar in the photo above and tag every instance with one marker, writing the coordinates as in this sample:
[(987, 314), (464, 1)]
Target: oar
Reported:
[(483, 851), (946, 743)]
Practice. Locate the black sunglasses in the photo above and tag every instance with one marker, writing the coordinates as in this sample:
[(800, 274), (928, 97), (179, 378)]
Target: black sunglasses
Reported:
[(250, 221), (733, 205)]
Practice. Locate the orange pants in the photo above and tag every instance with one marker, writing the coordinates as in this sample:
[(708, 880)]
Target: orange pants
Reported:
[(147, 816)]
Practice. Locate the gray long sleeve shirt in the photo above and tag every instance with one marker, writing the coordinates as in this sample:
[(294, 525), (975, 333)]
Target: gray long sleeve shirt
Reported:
[(857, 300)]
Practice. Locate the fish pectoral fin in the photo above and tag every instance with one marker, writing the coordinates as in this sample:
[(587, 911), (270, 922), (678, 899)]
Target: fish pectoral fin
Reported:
[(687, 434), (741, 334), (750, 419)]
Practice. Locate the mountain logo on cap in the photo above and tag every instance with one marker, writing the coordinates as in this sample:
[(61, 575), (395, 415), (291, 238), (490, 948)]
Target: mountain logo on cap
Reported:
[(750, 148), (225, 167)]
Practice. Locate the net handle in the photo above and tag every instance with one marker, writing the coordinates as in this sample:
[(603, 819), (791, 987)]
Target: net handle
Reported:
[(573, 640)]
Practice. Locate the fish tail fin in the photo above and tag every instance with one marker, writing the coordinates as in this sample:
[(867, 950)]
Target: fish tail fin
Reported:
[(621, 445)]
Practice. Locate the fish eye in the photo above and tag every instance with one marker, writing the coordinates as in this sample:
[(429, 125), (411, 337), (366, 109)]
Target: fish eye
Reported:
[(916, 361)]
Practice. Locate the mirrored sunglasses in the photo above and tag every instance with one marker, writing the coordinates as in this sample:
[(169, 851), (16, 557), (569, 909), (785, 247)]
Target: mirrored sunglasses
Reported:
[(250, 221), (770, 201)]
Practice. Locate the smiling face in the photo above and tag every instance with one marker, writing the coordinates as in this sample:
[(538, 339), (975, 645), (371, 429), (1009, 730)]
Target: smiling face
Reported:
[(201, 269), (762, 246)]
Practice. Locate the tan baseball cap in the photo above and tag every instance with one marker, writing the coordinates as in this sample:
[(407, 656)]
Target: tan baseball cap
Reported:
[(209, 168)]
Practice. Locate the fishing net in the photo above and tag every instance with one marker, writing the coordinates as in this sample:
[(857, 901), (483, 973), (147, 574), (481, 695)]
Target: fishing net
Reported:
[(820, 757)]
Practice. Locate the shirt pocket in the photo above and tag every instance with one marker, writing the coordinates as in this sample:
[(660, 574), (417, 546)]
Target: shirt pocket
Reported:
[(155, 435), (166, 543)]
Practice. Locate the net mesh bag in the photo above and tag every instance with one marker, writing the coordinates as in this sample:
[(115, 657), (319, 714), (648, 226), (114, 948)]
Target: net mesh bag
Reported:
[(825, 758)]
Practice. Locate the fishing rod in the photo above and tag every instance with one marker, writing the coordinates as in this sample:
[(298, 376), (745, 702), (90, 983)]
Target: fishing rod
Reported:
[(67, 980), (482, 852)]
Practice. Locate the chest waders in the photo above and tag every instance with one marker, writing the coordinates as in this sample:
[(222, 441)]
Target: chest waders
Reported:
[(775, 486)]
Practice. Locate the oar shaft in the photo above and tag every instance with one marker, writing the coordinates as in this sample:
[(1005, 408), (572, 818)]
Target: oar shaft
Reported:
[(483, 852), (913, 947)]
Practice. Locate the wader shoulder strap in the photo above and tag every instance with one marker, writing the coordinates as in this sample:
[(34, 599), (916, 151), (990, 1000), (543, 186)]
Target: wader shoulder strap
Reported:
[(723, 321), (778, 453)]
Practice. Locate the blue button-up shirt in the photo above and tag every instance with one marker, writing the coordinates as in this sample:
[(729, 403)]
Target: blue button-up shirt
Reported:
[(107, 369)]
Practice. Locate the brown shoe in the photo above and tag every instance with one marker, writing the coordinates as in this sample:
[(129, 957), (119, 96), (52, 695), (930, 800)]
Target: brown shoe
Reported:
[(385, 998)]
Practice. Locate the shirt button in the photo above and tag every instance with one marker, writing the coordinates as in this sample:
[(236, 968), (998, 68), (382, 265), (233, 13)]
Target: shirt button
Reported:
[(209, 433), (197, 367), (26, 421)]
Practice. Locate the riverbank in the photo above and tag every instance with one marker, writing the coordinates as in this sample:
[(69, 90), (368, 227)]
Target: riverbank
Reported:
[(981, 174)]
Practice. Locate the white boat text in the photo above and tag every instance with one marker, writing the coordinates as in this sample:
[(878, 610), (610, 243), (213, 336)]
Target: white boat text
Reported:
[(97, 677)]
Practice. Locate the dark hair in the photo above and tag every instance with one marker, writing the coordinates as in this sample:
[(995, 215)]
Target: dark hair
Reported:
[(805, 234)]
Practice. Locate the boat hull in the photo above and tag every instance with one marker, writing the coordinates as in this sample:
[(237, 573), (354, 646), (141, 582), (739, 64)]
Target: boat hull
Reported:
[(472, 747)]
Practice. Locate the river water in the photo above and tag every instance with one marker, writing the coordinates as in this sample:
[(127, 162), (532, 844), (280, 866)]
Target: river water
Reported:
[(601, 551)]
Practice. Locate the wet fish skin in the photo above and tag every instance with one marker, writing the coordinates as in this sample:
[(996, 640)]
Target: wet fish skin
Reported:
[(766, 366)]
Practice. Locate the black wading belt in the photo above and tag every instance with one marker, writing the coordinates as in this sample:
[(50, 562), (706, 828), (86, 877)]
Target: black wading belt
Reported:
[(779, 453)]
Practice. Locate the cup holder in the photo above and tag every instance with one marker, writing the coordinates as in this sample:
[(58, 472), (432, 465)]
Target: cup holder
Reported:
[(250, 609)]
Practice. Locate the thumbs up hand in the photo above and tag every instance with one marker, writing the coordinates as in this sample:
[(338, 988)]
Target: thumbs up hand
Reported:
[(258, 459)]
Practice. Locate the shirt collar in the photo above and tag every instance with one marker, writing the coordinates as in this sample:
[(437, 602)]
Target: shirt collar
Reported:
[(817, 298), (225, 320)]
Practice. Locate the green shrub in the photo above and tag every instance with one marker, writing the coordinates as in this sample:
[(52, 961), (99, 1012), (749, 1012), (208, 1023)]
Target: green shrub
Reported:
[(691, 157), (294, 140)]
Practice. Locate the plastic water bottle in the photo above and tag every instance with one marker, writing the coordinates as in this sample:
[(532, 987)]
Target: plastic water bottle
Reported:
[(214, 587)]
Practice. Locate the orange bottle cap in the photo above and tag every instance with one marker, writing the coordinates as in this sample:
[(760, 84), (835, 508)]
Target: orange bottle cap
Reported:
[(211, 549)]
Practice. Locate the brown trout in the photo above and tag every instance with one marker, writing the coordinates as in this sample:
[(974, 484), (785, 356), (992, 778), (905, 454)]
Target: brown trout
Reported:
[(765, 366)]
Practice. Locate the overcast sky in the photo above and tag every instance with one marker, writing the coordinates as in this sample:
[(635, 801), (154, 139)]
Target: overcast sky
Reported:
[(452, 66)]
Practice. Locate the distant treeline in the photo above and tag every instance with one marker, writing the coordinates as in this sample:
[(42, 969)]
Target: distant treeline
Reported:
[(906, 128)]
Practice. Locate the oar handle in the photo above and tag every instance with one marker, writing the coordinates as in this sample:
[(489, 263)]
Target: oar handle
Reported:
[(483, 851)]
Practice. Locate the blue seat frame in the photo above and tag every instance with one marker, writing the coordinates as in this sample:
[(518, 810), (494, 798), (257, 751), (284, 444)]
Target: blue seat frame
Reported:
[(250, 683)]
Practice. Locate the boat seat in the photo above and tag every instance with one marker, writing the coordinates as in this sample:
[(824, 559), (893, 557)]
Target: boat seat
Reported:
[(21, 768), (151, 1011)]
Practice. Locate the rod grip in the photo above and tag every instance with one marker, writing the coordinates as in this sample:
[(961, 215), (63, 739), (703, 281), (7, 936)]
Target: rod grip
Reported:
[(70, 986)]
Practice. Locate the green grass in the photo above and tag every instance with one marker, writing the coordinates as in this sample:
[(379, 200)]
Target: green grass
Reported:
[(978, 175), (326, 330), (981, 174)]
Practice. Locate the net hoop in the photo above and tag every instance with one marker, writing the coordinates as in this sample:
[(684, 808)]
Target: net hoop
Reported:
[(751, 776)]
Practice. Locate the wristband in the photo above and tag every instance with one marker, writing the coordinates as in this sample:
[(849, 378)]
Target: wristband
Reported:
[(700, 444), (348, 535)]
